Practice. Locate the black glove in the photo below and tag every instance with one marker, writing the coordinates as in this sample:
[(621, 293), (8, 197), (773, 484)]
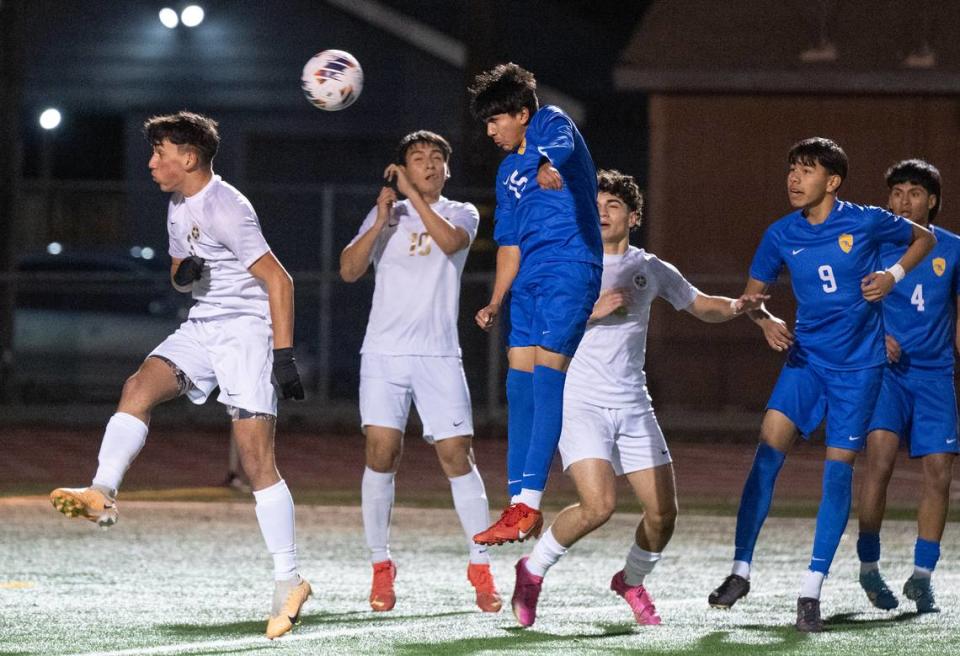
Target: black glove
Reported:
[(285, 371), (190, 269)]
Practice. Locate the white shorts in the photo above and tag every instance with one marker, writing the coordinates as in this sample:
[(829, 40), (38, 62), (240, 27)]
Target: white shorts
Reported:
[(436, 384), (629, 438), (234, 353)]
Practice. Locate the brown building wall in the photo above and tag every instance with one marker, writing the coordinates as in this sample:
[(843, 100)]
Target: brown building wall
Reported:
[(717, 180)]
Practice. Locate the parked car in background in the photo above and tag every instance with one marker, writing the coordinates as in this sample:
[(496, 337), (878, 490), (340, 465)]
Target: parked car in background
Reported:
[(84, 320)]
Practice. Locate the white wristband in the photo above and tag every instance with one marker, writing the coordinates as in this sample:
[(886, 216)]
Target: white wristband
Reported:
[(897, 272)]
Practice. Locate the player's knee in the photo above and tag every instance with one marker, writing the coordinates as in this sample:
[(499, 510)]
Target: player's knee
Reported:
[(597, 512), (383, 457), (136, 392), (661, 519), (938, 475)]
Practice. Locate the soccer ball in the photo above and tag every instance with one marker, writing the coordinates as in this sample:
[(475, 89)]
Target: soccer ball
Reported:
[(332, 80)]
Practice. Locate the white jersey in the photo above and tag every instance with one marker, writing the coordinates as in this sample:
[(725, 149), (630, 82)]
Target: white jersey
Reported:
[(219, 224), (607, 369), (416, 298)]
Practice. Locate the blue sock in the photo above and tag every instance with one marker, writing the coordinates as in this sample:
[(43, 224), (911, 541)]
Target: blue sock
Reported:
[(868, 547), (547, 421), (833, 513), (926, 554), (756, 498), (519, 425)]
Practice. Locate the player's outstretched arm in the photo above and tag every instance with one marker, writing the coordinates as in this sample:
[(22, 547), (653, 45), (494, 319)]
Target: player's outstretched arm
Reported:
[(508, 263), (717, 309), (279, 285), (448, 237), (878, 284), (355, 258)]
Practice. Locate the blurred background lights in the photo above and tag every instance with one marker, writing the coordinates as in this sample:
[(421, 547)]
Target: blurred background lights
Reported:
[(192, 15), (169, 18), (50, 118), (54, 248), (147, 253)]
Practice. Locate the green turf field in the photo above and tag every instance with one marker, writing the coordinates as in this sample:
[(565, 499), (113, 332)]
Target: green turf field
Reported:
[(194, 578)]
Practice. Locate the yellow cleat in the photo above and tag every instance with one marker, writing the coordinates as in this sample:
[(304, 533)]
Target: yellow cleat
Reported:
[(87, 502), (289, 611)]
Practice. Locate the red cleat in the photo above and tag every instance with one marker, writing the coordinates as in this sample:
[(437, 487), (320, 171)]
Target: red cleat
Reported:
[(517, 523), (488, 599), (382, 596)]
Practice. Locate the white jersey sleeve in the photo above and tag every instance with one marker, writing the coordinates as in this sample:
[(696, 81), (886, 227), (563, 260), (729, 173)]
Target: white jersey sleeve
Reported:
[(239, 232), (377, 251), (671, 285), (467, 217)]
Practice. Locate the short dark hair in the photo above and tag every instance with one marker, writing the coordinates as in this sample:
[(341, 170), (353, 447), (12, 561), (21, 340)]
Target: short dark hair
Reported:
[(918, 172), (504, 89), (423, 137), (185, 129), (819, 150)]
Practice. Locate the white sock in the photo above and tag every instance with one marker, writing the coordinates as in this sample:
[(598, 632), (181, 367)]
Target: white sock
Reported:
[(376, 503), (741, 568), (866, 568), (276, 518), (123, 438), (514, 499), (812, 582), (470, 500), (639, 564), (922, 572), (530, 497), (546, 552)]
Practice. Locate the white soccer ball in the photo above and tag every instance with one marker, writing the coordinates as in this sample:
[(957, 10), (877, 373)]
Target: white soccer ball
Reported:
[(332, 80)]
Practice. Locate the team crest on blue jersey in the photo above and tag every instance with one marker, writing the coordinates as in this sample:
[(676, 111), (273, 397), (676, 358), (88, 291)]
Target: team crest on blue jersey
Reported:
[(939, 266), (639, 280), (846, 242)]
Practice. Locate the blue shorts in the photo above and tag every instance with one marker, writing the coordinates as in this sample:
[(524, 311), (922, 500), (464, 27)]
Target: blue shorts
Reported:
[(805, 393), (920, 408), (550, 304)]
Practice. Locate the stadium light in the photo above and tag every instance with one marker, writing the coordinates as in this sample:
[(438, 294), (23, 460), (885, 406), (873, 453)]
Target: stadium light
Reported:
[(192, 15), (169, 18), (50, 118), (147, 253), (54, 248)]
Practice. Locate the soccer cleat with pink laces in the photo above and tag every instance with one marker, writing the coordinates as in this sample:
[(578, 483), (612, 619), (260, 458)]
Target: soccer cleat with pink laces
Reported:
[(637, 598), (526, 593)]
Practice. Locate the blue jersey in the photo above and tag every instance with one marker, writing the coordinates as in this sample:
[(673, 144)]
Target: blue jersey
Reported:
[(549, 226), (921, 310), (835, 327)]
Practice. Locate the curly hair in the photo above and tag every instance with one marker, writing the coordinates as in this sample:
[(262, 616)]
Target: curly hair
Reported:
[(622, 186)]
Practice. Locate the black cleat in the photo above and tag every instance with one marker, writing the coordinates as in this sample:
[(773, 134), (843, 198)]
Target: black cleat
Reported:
[(808, 615), (733, 589)]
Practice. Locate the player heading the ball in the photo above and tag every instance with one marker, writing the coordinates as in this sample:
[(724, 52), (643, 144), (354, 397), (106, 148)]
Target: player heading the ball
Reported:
[(550, 259), (238, 332)]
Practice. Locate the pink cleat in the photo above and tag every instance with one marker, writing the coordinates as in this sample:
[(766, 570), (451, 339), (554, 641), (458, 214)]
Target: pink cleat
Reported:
[(526, 592), (638, 598)]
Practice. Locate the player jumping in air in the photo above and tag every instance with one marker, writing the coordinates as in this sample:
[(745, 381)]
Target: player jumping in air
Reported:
[(239, 330), (411, 351), (835, 359), (918, 401), (550, 260), (609, 427)]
